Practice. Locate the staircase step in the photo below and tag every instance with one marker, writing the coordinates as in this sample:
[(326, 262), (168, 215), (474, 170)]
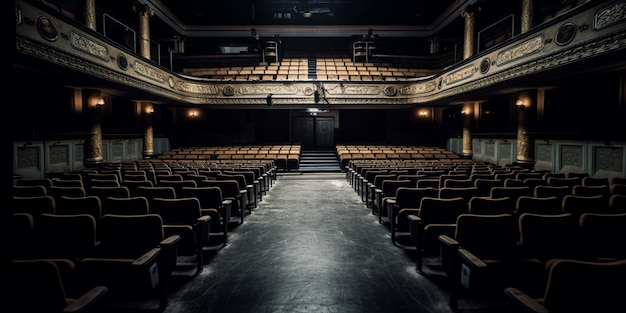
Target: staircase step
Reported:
[(318, 160)]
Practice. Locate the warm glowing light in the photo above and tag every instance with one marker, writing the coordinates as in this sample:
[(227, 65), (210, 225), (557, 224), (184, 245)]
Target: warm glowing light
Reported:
[(423, 113), (193, 113)]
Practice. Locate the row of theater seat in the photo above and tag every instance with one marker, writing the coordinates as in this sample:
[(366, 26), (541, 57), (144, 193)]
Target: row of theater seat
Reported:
[(445, 210), (90, 222), (281, 156), (298, 69)]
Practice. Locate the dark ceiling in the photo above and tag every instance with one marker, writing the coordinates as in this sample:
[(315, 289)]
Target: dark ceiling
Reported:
[(294, 12)]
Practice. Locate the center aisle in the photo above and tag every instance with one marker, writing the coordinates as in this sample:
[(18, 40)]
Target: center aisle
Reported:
[(310, 246)]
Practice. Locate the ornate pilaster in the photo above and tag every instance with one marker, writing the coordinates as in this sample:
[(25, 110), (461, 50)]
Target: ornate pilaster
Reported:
[(525, 143), (144, 13), (468, 117), (469, 15), (148, 137), (89, 13), (93, 103), (180, 40), (526, 15)]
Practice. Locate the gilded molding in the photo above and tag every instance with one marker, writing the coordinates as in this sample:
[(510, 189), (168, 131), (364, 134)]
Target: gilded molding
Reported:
[(267, 89), (355, 90), (148, 71), (520, 50), (610, 15), (197, 88), (420, 88), (89, 46), (460, 74)]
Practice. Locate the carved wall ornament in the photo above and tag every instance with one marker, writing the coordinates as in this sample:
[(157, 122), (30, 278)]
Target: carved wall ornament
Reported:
[(308, 90), (89, 46), (521, 50), (460, 74), (47, 28), (610, 15), (418, 88), (485, 65), (148, 71), (228, 90), (267, 89), (390, 91), (122, 62), (197, 88), (565, 34)]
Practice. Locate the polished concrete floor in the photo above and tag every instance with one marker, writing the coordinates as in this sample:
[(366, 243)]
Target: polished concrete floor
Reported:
[(311, 245)]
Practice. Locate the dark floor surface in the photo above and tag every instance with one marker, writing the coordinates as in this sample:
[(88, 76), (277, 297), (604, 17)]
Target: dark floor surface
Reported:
[(311, 245)]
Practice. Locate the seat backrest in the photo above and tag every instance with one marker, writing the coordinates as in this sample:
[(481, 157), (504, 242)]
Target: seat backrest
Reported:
[(552, 191), (596, 181), (132, 185), (390, 187), (592, 190), (36, 286), (617, 203), (512, 192), (179, 211), (33, 205), (576, 205), (79, 205), (488, 236), (29, 191), (484, 185), (135, 205), (531, 204), (22, 236), (464, 192), (488, 205), (209, 197), (65, 236), (567, 181), (129, 236), (580, 286), (603, 235), (458, 183), (440, 210), (546, 237), (411, 197), (177, 184), (46, 182), (58, 191), (156, 192)]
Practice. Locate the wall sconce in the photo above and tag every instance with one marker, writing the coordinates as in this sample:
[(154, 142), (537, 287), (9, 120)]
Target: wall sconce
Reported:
[(423, 113), (193, 114), (150, 109), (523, 101), (95, 101)]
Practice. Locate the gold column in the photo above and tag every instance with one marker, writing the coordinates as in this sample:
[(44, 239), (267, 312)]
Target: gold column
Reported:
[(89, 13), (525, 143), (148, 133), (469, 40), (527, 15), (93, 102), (468, 117), (144, 13)]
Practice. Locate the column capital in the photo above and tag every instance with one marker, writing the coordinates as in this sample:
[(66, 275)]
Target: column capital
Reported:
[(143, 10), (470, 11)]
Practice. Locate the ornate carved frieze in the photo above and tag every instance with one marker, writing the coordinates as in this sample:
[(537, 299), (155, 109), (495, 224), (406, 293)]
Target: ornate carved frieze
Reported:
[(89, 46), (354, 90), (460, 74), (197, 88), (267, 89), (149, 71), (520, 50), (610, 15), (419, 88)]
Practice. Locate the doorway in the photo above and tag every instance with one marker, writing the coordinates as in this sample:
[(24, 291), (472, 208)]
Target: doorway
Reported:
[(314, 131)]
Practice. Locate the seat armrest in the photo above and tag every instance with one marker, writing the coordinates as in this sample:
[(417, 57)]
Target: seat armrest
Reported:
[(470, 259), (87, 300), (148, 257), (524, 303), (170, 241)]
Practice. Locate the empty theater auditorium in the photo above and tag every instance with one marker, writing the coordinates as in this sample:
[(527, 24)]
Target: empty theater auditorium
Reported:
[(316, 156)]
